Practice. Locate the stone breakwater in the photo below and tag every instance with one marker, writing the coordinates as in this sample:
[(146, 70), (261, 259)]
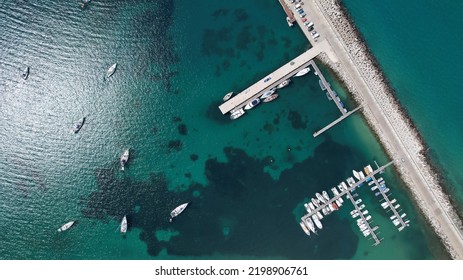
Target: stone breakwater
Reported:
[(403, 127)]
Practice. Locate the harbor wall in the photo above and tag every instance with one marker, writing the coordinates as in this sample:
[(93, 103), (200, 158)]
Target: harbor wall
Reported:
[(402, 125)]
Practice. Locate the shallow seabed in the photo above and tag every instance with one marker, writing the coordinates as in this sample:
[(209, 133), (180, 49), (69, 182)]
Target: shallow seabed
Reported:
[(246, 180)]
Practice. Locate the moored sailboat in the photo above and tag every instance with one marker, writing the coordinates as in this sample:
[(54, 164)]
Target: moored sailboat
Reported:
[(178, 210), (124, 225), (66, 226)]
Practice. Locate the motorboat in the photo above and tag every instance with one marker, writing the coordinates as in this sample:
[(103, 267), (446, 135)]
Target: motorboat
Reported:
[(284, 83), (325, 195), (124, 225), (124, 159), (288, 20), (237, 114), (252, 104), (302, 72), (310, 224), (319, 215), (350, 181), (358, 201), (268, 93), (311, 206), (78, 125), (368, 169), (362, 176), (315, 202), (304, 228), (271, 97), (334, 191), (111, 70), (322, 85), (356, 174), (227, 96), (66, 226), (307, 208), (320, 197), (317, 222), (178, 210), (25, 73)]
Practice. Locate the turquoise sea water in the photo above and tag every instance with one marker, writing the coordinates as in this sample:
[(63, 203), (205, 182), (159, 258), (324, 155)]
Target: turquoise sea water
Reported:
[(246, 180), (419, 48)]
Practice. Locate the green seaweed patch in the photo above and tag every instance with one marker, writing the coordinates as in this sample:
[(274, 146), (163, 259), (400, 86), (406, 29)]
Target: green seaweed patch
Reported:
[(296, 120), (165, 235), (175, 145), (182, 129)]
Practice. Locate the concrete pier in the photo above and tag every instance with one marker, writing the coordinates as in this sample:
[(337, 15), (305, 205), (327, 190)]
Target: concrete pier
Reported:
[(270, 81), (335, 122)]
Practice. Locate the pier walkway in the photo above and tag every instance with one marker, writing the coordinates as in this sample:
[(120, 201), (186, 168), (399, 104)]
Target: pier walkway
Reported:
[(288, 11), (271, 80), (390, 205), (365, 221), (333, 96), (335, 122), (348, 191)]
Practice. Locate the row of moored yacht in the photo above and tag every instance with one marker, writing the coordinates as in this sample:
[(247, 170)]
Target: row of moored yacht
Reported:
[(266, 96)]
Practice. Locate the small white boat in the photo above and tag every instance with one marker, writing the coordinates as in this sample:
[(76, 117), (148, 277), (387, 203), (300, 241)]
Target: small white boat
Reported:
[(325, 195), (315, 202), (302, 72), (356, 174), (124, 159), (271, 98), (25, 74), (368, 169), (320, 198), (322, 85), (179, 209), (111, 70), (288, 20), (252, 104), (78, 125), (268, 93), (124, 225), (310, 224), (335, 191), (319, 215), (237, 114), (284, 83), (66, 226), (304, 228), (311, 206), (317, 222), (350, 181), (227, 96)]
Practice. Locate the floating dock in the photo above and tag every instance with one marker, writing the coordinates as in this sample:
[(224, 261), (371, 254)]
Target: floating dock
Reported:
[(326, 205)]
